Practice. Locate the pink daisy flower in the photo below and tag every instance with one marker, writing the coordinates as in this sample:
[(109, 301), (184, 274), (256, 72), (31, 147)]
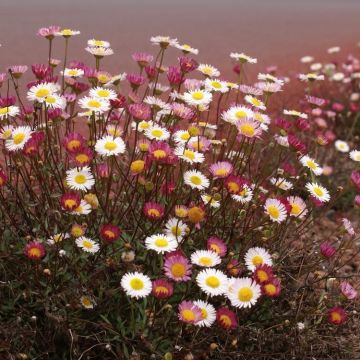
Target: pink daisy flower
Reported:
[(226, 318), (34, 250), (189, 312), (177, 267), (217, 245), (347, 290), (162, 288), (221, 169), (249, 128), (140, 111), (153, 211)]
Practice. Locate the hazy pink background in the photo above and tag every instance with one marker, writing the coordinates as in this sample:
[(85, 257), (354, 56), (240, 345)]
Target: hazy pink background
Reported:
[(275, 31)]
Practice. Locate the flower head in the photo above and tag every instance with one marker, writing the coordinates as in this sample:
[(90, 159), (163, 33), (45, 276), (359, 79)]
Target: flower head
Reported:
[(136, 285), (35, 250), (189, 312)]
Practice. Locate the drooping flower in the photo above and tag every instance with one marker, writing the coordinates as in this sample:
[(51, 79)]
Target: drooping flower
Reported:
[(327, 249), (226, 318), (162, 288), (217, 245)]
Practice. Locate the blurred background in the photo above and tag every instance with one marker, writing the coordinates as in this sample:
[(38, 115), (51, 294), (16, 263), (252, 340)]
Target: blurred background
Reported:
[(275, 31)]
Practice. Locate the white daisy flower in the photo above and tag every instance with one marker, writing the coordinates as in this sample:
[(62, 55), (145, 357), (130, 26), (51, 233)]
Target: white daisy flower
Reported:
[(281, 183), (276, 210), (157, 133), (114, 130), (316, 67), (197, 97), (75, 73), (342, 146), (311, 77), (87, 244), (243, 58), (94, 104), (54, 101), (87, 302), (307, 59), (213, 282), (295, 113), (208, 313), (176, 228), (244, 196), (41, 91), (298, 207), (257, 256), (188, 155), (157, 103), (355, 155), (109, 145), (67, 32), (99, 43), (208, 199), (136, 285), (56, 238), (339, 76), (208, 70), (161, 243), (80, 178), (19, 138), (83, 209), (310, 163), (205, 258), (318, 191), (196, 180), (333, 50), (181, 136), (142, 125), (244, 293), (9, 111), (270, 78), (99, 51), (102, 93), (236, 113), (187, 49), (255, 102), (6, 132), (164, 41), (216, 85)]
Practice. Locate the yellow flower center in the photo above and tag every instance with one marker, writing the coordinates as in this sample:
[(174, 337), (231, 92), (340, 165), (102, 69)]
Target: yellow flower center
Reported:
[(335, 316), (233, 187), (221, 172), (153, 212), (110, 145), (319, 192), (295, 209), (86, 301), (197, 95), (185, 136), (103, 93), (73, 144), (144, 125), (189, 154), (256, 102), (213, 282), (311, 164), (159, 154), (273, 211), (6, 134), (4, 110), (35, 252), (136, 284), (270, 289), (87, 244), (70, 203), (137, 166), (215, 248), (80, 179), (247, 129), (41, 93), (178, 270), (157, 133), (196, 180), (161, 290), (176, 231), (94, 104), (204, 313), (240, 114), (225, 320), (161, 242), (18, 138), (72, 72), (50, 99), (257, 260), (245, 294), (205, 261), (216, 85), (262, 275), (110, 234), (188, 315), (82, 158), (67, 32)]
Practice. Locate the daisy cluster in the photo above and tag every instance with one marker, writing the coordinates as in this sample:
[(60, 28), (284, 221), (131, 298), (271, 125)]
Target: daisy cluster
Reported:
[(189, 186)]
